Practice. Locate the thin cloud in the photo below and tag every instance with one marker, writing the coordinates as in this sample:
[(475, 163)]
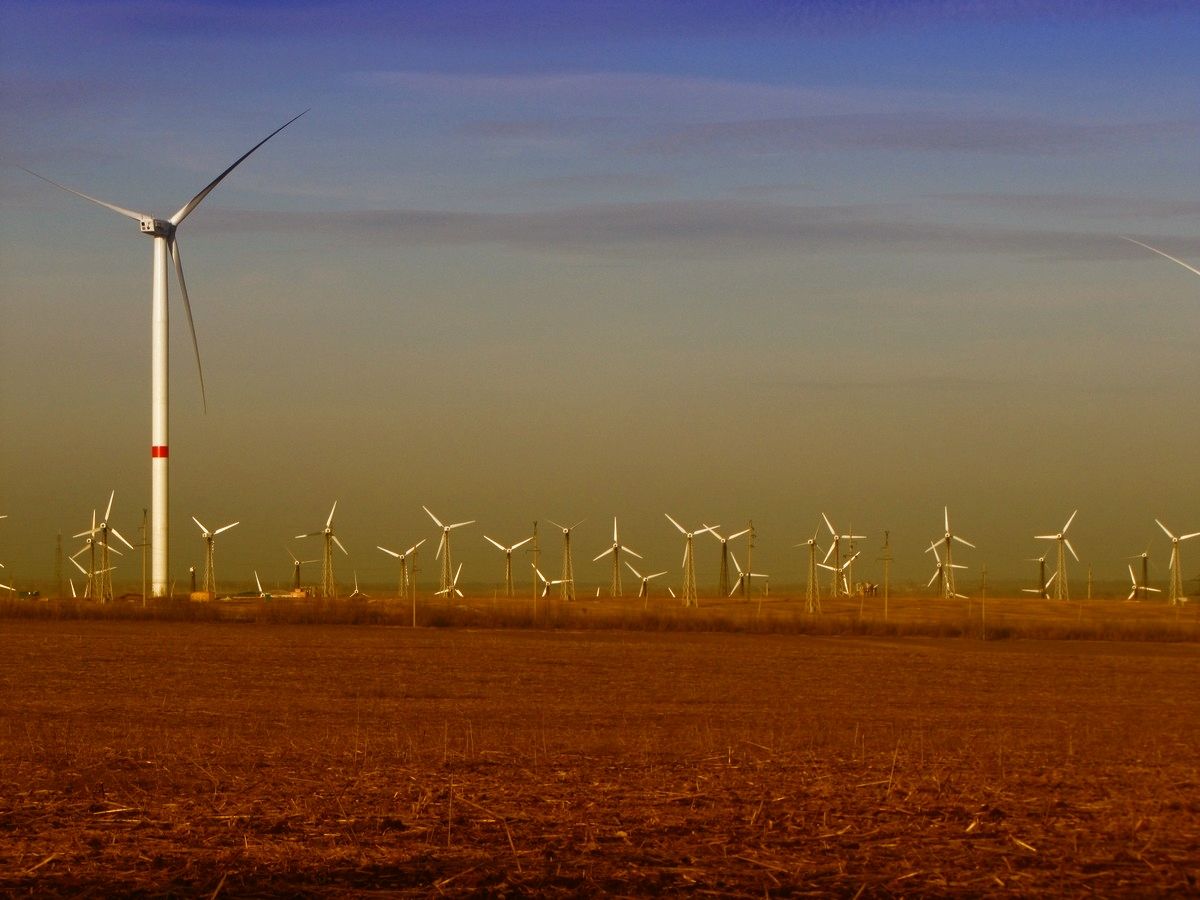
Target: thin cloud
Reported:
[(1096, 205), (678, 227), (922, 132)]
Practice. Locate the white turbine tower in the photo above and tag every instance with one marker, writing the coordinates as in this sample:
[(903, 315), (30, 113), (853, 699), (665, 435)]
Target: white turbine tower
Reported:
[(723, 576), (210, 577), (443, 550), (1061, 588), (566, 583), (689, 561), (508, 552), (1175, 568), (644, 588), (617, 548), (163, 231), (943, 574), (328, 587)]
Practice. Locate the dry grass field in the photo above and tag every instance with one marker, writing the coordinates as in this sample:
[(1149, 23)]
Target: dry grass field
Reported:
[(250, 760)]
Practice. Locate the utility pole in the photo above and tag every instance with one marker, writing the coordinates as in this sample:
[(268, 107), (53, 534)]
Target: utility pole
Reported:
[(58, 558), (983, 602), (536, 551), (749, 560), (142, 546), (886, 559), (1089, 586)]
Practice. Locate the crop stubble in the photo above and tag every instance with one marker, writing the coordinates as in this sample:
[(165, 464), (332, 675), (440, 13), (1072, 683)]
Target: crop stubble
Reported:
[(328, 760)]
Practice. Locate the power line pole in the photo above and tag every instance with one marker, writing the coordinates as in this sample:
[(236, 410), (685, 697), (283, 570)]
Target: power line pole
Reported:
[(58, 559), (749, 560), (886, 559)]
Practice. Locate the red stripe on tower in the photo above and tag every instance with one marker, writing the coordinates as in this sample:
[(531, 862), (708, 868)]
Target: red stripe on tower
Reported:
[(158, 452)]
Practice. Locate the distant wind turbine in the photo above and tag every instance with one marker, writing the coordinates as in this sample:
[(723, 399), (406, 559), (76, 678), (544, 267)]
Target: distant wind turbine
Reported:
[(165, 241)]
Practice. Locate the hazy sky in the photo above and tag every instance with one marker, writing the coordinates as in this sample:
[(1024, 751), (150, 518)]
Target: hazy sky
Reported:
[(542, 260)]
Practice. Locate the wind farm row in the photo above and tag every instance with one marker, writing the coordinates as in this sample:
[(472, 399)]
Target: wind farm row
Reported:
[(545, 563)]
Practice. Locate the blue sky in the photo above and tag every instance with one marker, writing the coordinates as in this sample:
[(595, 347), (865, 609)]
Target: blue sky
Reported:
[(541, 260)]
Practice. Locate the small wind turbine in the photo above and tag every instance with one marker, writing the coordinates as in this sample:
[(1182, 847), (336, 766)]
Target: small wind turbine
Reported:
[(839, 573), (835, 551), (452, 587), (406, 578), (1135, 588), (297, 562), (643, 590), (210, 577), (940, 575), (1043, 588), (1175, 576), (723, 577), (812, 598), (99, 533), (689, 561), (567, 581), (508, 552), (443, 550), (328, 588), (744, 577), (1144, 556), (616, 549), (357, 594), (1061, 588), (546, 583), (165, 241)]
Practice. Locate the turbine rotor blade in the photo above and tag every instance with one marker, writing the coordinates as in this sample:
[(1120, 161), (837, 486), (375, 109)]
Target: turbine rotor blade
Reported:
[(631, 552), (414, 547), (968, 543), (495, 544), (521, 543), (339, 543), (1131, 240), (738, 535), (460, 524), (173, 243), (108, 509), (436, 520), (385, 550), (121, 538), (682, 530), (198, 522), (1069, 521), (226, 527), (136, 216), (329, 521), (604, 554), (187, 208), (1072, 549), (1167, 530), (633, 570)]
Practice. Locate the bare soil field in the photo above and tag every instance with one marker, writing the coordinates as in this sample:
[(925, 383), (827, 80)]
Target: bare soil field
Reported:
[(150, 758)]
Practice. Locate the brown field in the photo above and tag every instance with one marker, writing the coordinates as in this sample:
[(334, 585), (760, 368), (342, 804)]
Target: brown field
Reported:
[(251, 759)]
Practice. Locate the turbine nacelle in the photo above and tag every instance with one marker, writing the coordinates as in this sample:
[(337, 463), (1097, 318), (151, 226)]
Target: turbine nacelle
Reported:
[(156, 227)]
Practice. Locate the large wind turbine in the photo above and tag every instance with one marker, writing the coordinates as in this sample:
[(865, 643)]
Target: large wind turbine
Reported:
[(812, 597), (644, 590), (508, 552), (443, 550), (617, 548), (1176, 567), (723, 576), (210, 576), (165, 242), (567, 582), (328, 587), (1061, 589), (689, 560), (744, 577), (947, 540)]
